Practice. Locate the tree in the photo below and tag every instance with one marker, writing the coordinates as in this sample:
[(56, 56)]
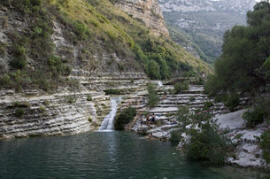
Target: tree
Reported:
[(244, 53), (153, 70)]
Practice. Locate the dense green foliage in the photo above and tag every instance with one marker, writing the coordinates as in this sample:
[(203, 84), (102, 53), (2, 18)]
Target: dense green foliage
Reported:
[(232, 101), (175, 137), (124, 118), (207, 105), (113, 92), (244, 66), (265, 144), (153, 70), (254, 117), (181, 86), (243, 62), (207, 146), (152, 96), (183, 116)]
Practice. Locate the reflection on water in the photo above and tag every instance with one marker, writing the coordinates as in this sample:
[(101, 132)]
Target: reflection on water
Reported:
[(102, 155)]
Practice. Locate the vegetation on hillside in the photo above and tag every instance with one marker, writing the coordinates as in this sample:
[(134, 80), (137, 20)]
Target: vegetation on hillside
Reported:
[(186, 41), (181, 86), (94, 27), (32, 43), (152, 97), (244, 66)]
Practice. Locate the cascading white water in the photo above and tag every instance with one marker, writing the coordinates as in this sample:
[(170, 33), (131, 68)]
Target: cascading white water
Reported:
[(160, 84), (157, 82), (108, 122)]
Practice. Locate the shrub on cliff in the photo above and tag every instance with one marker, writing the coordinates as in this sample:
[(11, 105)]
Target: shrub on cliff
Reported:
[(183, 115), (113, 91), (254, 117), (207, 146), (124, 118), (175, 137), (265, 144), (153, 97), (19, 61), (232, 101), (180, 87), (19, 112), (153, 70)]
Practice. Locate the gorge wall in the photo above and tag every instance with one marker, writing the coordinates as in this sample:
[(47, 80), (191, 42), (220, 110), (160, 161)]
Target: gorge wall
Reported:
[(71, 109), (56, 62), (147, 11)]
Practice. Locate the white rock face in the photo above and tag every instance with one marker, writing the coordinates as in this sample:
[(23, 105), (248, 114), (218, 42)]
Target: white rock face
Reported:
[(49, 115), (149, 12), (249, 155), (248, 152), (231, 121)]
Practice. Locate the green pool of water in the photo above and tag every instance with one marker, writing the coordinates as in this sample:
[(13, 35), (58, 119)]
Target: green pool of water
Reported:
[(102, 155)]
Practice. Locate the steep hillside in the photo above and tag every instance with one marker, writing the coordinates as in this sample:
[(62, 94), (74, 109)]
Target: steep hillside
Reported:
[(204, 22), (43, 42)]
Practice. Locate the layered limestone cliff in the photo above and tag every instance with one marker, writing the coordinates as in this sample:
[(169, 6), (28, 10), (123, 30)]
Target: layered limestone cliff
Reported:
[(147, 11), (34, 112), (62, 113)]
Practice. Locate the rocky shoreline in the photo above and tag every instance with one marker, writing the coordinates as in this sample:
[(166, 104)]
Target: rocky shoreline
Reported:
[(246, 141), (71, 113)]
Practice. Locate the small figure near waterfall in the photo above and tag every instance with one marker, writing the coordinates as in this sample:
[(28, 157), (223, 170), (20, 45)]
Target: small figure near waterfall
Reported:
[(153, 118)]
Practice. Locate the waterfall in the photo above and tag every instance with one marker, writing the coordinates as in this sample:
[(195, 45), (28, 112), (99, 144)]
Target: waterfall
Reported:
[(160, 84), (108, 122)]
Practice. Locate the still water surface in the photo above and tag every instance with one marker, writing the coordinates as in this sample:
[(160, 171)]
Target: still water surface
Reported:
[(102, 155)]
